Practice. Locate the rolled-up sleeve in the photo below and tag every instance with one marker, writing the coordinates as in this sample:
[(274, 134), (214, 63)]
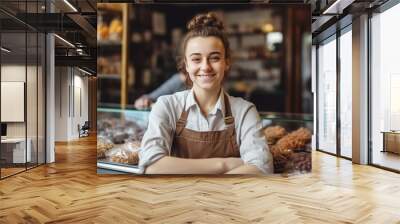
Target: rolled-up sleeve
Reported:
[(157, 140), (253, 147)]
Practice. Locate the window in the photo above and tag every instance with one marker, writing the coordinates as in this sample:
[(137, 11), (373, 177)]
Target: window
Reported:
[(385, 88), (327, 96), (346, 93)]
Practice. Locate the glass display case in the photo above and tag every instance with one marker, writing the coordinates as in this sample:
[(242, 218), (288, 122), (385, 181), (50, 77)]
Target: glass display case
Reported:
[(291, 121), (120, 133), (118, 139)]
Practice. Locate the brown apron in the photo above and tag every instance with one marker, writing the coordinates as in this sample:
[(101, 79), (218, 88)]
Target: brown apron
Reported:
[(207, 144)]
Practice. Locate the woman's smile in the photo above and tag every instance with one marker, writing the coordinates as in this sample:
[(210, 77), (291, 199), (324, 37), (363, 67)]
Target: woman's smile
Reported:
[(206, 77), (213, 74)]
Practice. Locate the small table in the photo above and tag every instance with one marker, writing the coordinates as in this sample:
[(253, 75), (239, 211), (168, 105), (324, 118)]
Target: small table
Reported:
[(391, 141)]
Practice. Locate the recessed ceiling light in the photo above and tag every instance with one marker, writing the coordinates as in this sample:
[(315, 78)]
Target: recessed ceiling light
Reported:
[(70, 5), (5, 49), (337, 7), (84, 71), (65, 41)]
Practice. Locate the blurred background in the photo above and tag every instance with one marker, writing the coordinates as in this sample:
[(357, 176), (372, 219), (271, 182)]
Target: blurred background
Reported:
[(271, 46)]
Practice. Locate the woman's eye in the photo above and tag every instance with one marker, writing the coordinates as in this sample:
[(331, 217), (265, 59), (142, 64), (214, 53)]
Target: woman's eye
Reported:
[(214, 59), (196, 60)]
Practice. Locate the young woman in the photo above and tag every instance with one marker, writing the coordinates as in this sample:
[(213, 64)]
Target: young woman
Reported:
[(204, 130)]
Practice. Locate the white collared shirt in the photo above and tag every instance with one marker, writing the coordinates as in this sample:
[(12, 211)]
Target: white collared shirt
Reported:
[(157, 140)]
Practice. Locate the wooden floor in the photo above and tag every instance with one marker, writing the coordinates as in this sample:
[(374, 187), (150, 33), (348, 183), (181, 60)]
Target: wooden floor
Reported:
[(10, 171), (70, 191)]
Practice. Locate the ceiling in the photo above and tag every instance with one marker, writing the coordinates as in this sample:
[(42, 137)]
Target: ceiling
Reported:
[(18, 18), (22, 20)]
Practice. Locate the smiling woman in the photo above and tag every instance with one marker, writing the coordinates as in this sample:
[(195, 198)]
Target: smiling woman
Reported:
[(204, 130)]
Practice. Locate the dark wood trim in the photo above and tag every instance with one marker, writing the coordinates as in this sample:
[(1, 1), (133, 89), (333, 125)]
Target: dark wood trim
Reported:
[(369, 78), (385, 168), (37, 95), (316, 97), (330, 153), (26, 91), (338, 72)]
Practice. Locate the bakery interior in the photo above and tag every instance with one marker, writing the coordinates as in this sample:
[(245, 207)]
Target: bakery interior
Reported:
[(322, 73), (260, 73)]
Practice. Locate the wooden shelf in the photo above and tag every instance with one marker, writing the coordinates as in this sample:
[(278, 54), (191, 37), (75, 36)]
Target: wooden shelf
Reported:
[(123, 9), (109, 43), (109, 76)]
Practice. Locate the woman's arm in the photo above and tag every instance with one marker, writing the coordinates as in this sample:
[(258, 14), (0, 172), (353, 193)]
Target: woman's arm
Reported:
[(253, 147), (174, 165), (245, 169)]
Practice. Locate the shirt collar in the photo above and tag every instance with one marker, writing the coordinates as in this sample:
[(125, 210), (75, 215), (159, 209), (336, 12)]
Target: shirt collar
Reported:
[(219, 106)]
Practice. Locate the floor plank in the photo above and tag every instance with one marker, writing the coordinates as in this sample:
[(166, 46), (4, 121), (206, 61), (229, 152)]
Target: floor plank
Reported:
[(70, 191)]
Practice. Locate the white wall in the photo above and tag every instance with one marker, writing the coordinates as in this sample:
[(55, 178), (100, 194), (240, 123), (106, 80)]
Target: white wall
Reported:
[(71, 94), (61, 103), (33, 126), (14, 73)]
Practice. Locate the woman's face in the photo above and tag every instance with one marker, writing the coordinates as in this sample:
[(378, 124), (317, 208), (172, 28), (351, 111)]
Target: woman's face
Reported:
[(205, 62)]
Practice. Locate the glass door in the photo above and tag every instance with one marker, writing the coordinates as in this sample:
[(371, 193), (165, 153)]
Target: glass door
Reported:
[(13, 94), (22, 76), (385, 89), (326, 101), (345, 61)]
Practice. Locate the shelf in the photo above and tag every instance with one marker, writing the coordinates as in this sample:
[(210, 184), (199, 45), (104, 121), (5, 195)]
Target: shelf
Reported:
[(115, 48), (109, 76), (287, 117), (108, 43)]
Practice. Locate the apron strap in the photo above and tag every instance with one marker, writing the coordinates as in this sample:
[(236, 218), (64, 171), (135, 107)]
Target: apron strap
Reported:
[(228, 119), (181, 123)]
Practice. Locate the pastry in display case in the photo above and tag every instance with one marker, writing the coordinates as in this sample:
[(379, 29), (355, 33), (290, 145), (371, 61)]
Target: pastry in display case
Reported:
[(289, 139), (118, 139)]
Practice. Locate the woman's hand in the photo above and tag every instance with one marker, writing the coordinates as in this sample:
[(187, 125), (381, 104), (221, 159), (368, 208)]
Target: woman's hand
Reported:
[(144, 102), (231, 163)]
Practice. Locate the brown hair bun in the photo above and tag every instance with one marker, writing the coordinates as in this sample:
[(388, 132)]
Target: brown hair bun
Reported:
[(205, 20)]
